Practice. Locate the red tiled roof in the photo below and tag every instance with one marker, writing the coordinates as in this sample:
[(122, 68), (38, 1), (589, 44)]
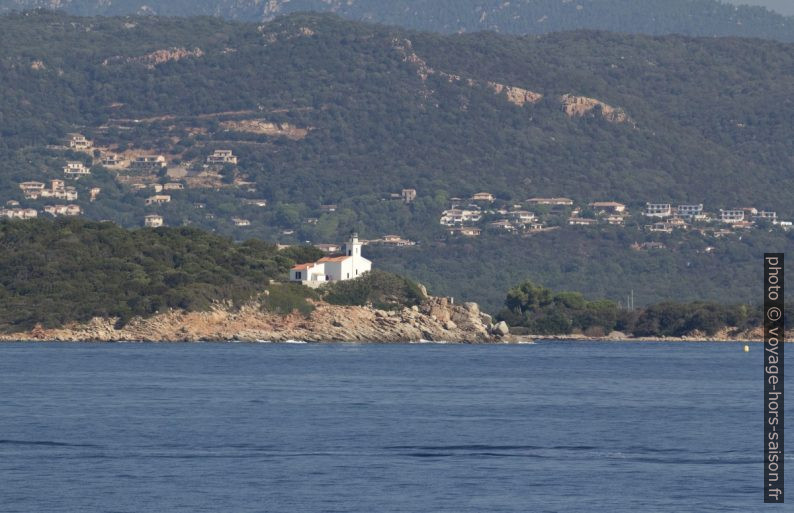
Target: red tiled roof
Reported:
[(301, 267), (333, 259)]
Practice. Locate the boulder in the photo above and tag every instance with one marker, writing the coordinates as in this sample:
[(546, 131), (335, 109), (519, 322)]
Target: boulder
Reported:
[(472, 308), (501, 329)]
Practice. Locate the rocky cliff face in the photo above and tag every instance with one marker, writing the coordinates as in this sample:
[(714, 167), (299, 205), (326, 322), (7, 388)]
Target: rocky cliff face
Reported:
[(154, 59), (515, 95), (578, 106), (435, 320)]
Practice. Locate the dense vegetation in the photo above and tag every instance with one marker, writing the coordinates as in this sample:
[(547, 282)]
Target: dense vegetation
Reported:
[(600, 263), (693, 17), (712, 123), (55, 272), (379, 289), (541, 311), (286, 298)]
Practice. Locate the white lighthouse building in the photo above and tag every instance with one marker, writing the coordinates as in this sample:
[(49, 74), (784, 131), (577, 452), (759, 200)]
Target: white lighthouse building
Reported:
[(348, 266)]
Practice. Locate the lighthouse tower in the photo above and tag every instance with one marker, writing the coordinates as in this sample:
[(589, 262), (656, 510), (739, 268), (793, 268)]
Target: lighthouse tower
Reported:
[(352, 247)]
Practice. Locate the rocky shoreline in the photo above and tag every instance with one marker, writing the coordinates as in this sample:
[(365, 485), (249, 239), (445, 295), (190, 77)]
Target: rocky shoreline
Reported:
[(435, 320)]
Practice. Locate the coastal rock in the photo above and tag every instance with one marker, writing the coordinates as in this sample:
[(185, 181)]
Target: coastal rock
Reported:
[(435, 320), (501, 329)]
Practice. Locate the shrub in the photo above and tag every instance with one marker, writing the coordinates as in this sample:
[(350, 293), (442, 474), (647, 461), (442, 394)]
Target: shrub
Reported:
[(286, 298), (377, 288)]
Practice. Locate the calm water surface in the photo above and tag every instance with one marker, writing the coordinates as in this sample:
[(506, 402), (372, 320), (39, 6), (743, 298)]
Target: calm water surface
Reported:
[(552, 427)]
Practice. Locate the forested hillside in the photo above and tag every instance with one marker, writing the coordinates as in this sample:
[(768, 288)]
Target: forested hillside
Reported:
[(323, 111), (379, 109), (690, 17), (55, 272)]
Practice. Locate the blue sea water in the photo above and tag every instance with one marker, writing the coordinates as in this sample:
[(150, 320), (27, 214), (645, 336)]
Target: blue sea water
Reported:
[(551, 427)]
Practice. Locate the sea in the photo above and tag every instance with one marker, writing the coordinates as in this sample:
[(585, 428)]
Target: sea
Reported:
[(547, 427)]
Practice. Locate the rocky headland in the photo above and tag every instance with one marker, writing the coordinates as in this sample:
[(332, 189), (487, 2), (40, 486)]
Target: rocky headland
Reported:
[(435, 320)]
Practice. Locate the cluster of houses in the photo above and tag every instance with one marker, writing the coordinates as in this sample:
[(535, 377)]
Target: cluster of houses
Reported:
[(38, 190), (63, 210), (142, 164), (155, 163), (610, 212), (387, 240), (12, 210), (668, 217), (15, 212), (57, 189), (78, 142), (469, 217), (464, 215)]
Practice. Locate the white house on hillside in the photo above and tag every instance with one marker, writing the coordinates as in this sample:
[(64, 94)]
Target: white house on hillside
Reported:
[(349, 266)]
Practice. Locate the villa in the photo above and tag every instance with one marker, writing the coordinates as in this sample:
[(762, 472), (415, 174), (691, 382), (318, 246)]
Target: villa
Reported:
[(149, 162), (766, 215), (483, 196), (608, 207), (158, 199), (457, 216), (58, 190), (658, 210), (75, 170), (582, 221), (329, 248), (689, 211), (466, 231), (732, 216), (63, 210), (408, 195), (552, 202), (19, 213), (222, 157), (153, 221), (79, 142), (111, 160)]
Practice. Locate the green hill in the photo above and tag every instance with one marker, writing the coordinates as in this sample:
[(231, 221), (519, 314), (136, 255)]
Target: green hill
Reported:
[(55, 272), (690, 17), (326, 111), (704, 115)]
